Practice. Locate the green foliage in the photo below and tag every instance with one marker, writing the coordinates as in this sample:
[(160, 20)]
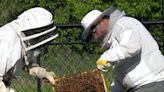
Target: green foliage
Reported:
[(72, 11), (10, 9), (142, 9)]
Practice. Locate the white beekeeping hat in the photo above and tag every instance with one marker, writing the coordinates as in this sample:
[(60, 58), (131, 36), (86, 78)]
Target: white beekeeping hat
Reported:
[(34, 27), (91, 19)]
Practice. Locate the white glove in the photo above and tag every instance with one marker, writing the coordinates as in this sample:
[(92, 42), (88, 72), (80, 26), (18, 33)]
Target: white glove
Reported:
[(43, 74), (103, 65), (50, 76)]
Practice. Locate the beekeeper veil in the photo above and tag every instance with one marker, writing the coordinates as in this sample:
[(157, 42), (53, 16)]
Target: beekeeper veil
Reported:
[(34, 28), (93, 17), (114, 16)]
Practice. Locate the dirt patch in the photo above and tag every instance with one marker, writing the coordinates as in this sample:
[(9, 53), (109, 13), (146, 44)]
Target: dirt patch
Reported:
[(90, 81)]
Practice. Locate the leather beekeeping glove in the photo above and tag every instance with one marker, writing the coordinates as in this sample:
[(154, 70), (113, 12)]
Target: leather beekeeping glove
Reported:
[(103, 65), (43, 74)]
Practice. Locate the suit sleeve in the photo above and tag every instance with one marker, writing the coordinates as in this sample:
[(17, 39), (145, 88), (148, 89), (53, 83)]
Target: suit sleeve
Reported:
[(127, 47)]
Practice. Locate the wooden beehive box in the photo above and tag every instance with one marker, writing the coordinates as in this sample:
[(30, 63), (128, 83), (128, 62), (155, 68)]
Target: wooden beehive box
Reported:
[(89, 81)]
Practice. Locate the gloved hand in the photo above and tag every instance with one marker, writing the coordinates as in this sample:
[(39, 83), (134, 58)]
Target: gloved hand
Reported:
[(43, 74), (50, 76), (103, 65)]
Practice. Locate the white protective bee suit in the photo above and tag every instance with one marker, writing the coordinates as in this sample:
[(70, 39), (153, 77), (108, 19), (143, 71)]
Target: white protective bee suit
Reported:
[(135, 54), (15, 53)]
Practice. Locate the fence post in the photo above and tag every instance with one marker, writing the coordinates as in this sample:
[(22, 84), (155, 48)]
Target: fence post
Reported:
[(36, 2), (163, 25), (38, 79)]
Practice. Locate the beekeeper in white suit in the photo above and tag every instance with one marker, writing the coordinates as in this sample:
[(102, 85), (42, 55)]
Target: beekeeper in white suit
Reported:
[(18, 41), (134, 54)]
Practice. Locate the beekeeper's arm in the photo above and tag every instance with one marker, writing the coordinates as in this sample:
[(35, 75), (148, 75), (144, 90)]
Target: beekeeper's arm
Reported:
[(40, 72), (127, 47)]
